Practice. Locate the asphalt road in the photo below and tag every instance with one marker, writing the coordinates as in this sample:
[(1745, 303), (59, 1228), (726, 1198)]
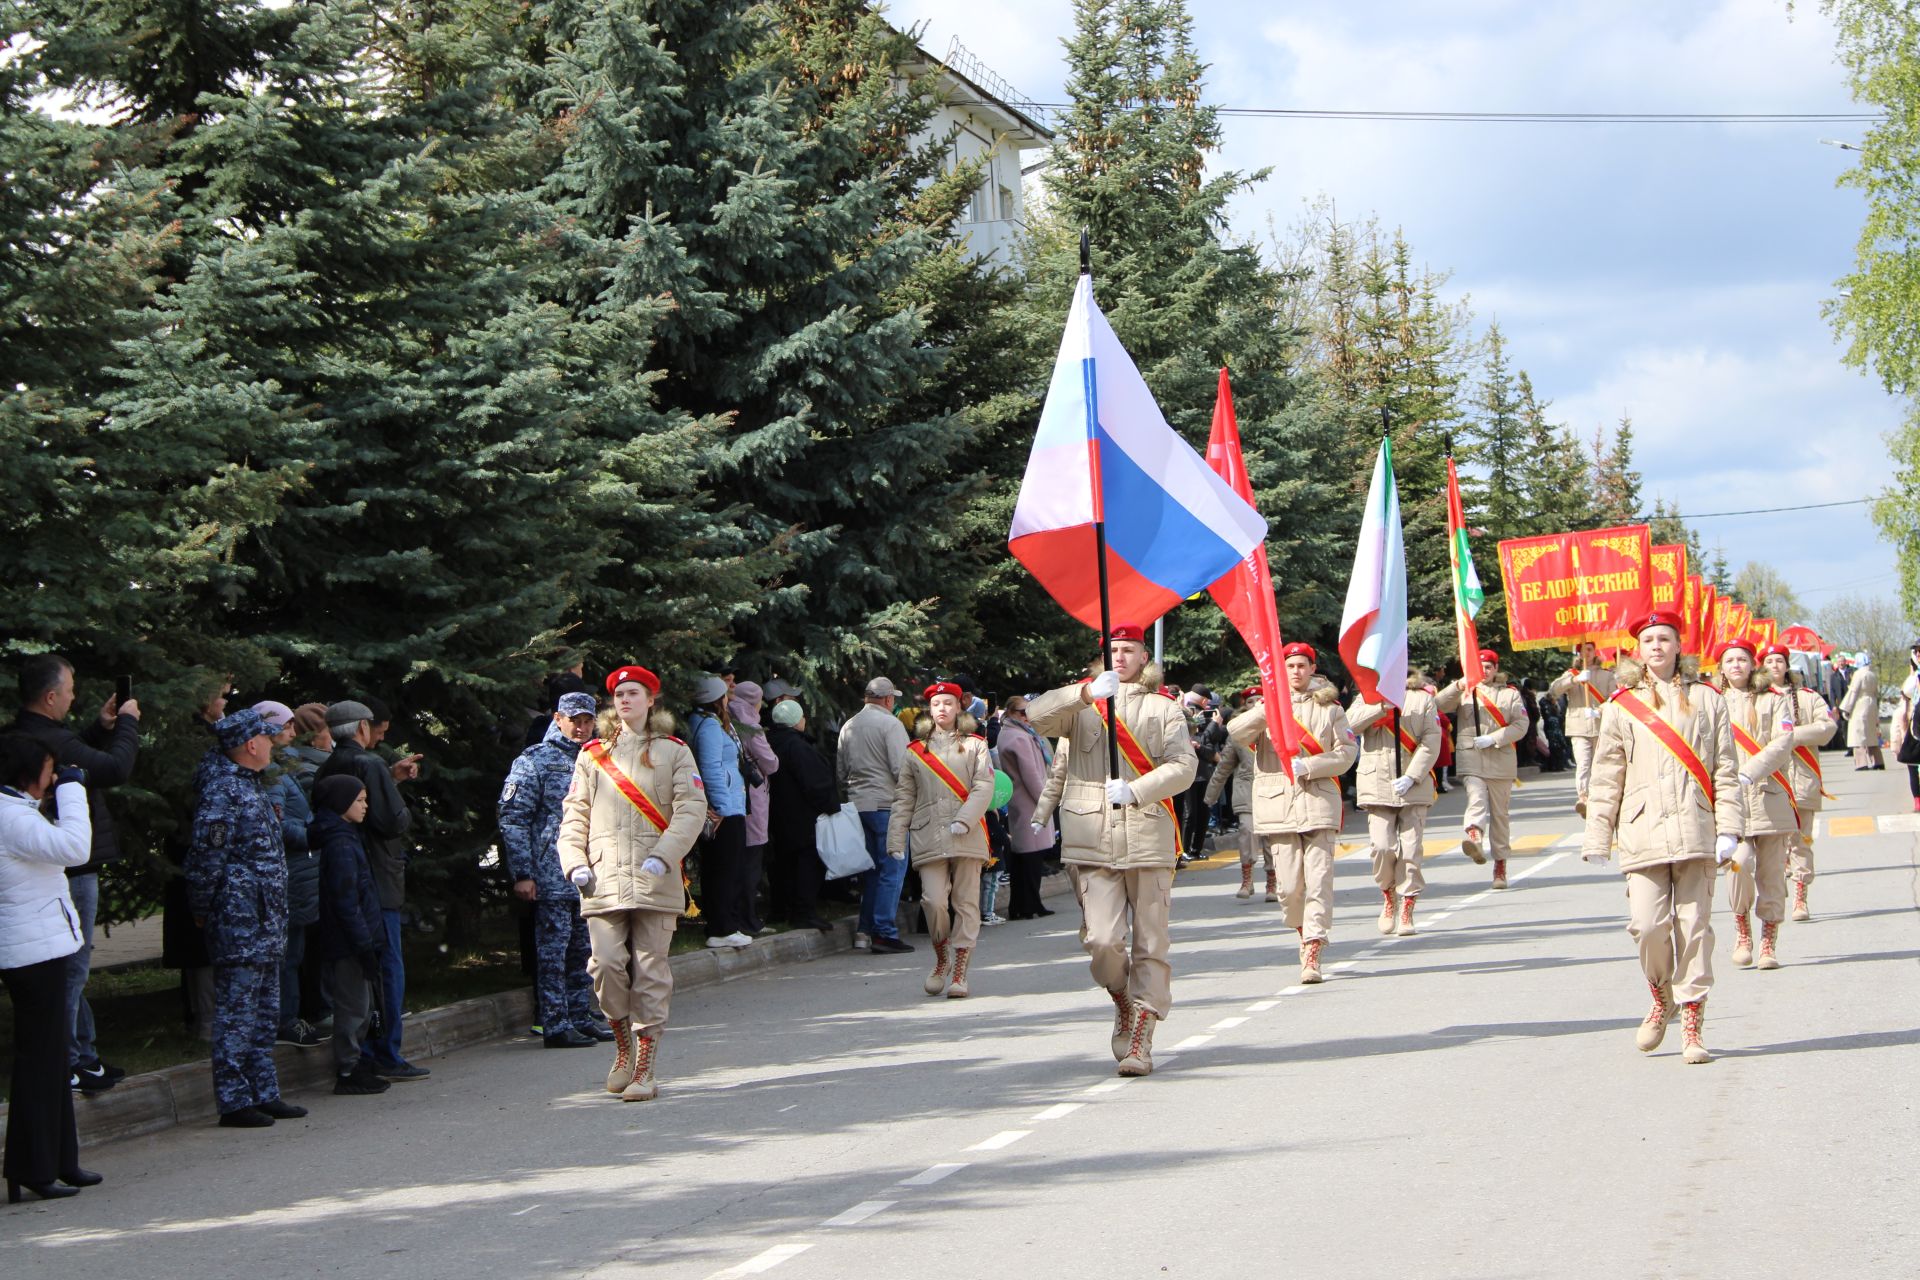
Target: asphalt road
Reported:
[(1467, 1102)]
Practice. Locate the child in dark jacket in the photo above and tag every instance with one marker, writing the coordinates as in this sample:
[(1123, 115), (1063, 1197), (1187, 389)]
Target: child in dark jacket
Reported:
[(350, 927)]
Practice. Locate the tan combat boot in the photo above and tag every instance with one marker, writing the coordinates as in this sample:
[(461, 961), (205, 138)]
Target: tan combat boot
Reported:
[(643, 1088), (1470, 845), (1273, 885), (1122, 1023), (1138, 1060), (1389, 911), (1310, 960), (957, 989), (622, 1074), (1246, 881), (1800, 911), (1654, 1029), (1769, 935), (1742, 940), (937, 980), (1694, 1013), (1499, 873), (1406, 917)]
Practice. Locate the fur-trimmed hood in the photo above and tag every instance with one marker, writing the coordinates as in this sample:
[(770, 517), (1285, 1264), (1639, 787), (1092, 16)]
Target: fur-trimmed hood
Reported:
[(1321, 690), (660, 724), (1627, 672), (1759, 682), (966, 726)]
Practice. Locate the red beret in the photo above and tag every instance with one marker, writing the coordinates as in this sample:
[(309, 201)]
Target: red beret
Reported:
[(1300, 649), (951, 690), (1255, 692), (1773, 650), (1488, 655), (1720, 654), (1658, 618), (637, 675), (1128, 631)]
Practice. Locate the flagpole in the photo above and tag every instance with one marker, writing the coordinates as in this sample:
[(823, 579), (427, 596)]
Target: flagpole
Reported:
[(1459, 604), (1386, 434), (1100, 528)]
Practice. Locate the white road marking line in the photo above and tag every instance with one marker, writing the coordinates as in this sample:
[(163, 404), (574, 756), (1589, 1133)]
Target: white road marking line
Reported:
[(1341, 967), (1058, 1109), (927, 1177), (784, 1110), (1542, 865), (763, 1261), (859, 1213), (1291, 991), (1005, 1138), (1226, 1024), (1191, 1042), (521, 1213), (1106, 1086), (1261, 1006)]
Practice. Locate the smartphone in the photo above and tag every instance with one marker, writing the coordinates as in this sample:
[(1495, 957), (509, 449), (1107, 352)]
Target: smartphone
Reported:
[(122, 690)]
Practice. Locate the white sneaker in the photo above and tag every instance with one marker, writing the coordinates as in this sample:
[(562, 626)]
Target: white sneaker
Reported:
[(993, 917), (738, 939), (718, 944), (862, 942)]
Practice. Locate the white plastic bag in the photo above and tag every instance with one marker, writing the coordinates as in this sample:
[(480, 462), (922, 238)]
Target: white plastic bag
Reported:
[(842, 843)]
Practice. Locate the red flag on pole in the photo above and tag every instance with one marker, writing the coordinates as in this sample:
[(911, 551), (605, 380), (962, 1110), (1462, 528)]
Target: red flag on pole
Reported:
[(1245, 593)]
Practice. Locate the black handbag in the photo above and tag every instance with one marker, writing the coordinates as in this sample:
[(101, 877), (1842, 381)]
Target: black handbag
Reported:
[(1909, 752)]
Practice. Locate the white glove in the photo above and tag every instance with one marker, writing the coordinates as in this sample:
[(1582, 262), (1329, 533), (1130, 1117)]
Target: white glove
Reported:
[(1402, 785), (899, 857), (1745, 782), (654, 867), (1597, 859), (1118, 792), (1581, 677), (1723, 849), (1035, 827), (956, 828), (582, 877), (1483, 742), (1104, 685)]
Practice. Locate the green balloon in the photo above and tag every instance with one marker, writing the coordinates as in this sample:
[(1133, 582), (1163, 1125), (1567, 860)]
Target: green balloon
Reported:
[(1002, 789)]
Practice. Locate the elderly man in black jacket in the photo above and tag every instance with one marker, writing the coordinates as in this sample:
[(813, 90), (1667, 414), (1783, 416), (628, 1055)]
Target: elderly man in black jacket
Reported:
[(106, 749), (384, 831), (799, 791)]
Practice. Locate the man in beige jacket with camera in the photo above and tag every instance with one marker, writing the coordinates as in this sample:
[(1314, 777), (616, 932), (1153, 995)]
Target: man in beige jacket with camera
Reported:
[(1122, 832)]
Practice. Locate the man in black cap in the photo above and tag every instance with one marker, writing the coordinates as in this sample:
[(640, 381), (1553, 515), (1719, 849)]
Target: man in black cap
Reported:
[(236, 872), (387, 822)]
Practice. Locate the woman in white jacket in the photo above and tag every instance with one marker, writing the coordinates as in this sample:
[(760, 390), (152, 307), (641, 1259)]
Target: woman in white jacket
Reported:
[(39, 929)]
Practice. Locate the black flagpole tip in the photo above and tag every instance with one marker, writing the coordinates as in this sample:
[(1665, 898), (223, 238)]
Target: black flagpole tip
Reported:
[(1086, 254)]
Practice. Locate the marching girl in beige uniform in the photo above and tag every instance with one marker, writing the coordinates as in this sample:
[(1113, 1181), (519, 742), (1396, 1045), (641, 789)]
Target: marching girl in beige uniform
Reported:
[(1666, 787), (1298, 820), (1586, 686), (1395, 787), (630, 817), (1806, 713), (943, 789), (1493, 718), (1757, 884)]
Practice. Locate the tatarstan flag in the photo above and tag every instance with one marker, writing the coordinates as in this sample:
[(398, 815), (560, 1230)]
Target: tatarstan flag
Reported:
[(1467, 595)]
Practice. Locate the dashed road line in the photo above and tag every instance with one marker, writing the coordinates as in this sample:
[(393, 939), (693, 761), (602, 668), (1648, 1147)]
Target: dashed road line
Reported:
[(762, 1262), (859, 1213), (928, 1176), (1058, 1110), (1005, 1138)]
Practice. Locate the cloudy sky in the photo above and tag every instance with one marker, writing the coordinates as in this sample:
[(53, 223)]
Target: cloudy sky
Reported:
[(1670, 272)]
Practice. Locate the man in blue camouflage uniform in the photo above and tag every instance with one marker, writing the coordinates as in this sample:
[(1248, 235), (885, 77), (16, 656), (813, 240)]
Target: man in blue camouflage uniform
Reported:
[(529, 828), (236, 874)]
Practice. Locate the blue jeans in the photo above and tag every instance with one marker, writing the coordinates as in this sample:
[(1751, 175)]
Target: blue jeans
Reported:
[(383, 1050), (880, 887), (86, 904), (290, 975)]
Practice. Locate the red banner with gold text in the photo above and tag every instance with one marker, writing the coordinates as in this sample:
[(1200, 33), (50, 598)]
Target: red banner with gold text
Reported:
[(1564, 588)]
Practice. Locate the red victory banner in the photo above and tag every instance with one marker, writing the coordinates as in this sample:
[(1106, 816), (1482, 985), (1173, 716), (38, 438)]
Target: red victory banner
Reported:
[(1669, 560), (1690, 612), (1564, 588), (1709, 616)]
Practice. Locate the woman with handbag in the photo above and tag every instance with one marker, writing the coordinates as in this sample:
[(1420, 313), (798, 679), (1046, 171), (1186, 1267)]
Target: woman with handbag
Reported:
[(723, 850), (39, 929), (629, 820), (939, 800), (802, 793), (1903, 729)]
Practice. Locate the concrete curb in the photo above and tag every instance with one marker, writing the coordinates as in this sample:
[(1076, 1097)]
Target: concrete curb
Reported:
[(183, 1094)]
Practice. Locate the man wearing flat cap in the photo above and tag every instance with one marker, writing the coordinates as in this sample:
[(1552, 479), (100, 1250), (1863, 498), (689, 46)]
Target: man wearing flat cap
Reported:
[(236, 873), (529, 835)]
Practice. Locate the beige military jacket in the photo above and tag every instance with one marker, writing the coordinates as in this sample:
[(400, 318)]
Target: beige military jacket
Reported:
[(1584, 699), (1499, 760), (924, 806), (1143, 834), (1311, 802), (1373, 721), (1237, 765), (1767, 804), (600, 828), (1813, 727), (1642, 798)]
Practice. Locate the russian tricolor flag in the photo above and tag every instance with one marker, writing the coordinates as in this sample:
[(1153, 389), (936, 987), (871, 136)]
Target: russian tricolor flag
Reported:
[(1105, 453)]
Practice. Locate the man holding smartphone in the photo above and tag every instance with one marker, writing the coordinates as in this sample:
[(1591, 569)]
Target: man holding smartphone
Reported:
[(107, 750)]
